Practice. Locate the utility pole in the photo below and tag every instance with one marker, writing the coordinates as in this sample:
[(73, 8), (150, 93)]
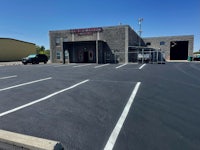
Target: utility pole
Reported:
[(140, 34), (140, 31)]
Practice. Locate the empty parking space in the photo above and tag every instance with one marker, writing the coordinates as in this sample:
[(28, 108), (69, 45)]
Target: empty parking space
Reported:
[(22, 95), (93, 106), (96, 66), (83, 112), (40, 99)]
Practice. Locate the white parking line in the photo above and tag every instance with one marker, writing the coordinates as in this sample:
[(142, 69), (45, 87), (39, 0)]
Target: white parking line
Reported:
[(15, 86), (113, 137), (8, 77), (101, 66), (121, 66), (82, 65), (64, 65), (142, 66), (41, 99)]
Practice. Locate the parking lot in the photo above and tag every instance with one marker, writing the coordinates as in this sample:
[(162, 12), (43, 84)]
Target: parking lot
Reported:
[(109, 106)]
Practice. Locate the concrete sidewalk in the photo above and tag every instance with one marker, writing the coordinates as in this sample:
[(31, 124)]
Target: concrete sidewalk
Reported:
[(10, 63)]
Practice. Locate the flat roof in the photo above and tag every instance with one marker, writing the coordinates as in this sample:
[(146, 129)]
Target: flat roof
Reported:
[(104, 27), (175, 36)]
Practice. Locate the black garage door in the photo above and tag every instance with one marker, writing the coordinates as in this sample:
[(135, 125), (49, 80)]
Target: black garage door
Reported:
[(179, 50)]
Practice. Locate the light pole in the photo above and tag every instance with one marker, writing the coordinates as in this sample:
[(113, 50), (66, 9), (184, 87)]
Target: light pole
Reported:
[(140, 31)]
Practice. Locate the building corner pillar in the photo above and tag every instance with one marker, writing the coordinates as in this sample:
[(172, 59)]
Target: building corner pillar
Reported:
[(126, 44), (97, 48)]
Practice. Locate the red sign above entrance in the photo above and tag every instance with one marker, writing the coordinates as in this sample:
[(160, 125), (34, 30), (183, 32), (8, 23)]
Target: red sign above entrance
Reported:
[(86, 31)]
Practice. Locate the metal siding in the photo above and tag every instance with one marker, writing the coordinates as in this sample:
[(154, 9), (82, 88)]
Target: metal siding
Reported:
[(13, 50)]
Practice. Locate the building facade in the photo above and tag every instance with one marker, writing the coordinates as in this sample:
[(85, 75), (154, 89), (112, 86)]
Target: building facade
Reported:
[(115, 44), (15, 50), (174, 47), (93, 45)]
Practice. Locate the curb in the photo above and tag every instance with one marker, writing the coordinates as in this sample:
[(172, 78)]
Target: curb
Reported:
[(10, 63), (10, 140)]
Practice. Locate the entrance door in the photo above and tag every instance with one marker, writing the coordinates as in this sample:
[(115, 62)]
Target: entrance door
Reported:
[(81, 51), (86, 58)]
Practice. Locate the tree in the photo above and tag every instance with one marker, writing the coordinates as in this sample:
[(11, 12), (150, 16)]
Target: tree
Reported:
[(41, 50), (37, 49), (47, 52), (196, 52)]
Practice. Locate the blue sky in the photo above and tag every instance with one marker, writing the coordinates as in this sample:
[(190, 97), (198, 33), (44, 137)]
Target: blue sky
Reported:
[(31, 20)]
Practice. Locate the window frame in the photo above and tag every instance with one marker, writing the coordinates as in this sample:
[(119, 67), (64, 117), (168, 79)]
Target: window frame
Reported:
[(58, 41), (58, 55), (162, 43)]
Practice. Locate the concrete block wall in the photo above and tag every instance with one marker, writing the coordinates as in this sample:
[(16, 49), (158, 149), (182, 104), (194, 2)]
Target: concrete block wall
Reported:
[(115, 39), (118, 39), (53, 35), (113, 36), (134, 38), (155, 43)]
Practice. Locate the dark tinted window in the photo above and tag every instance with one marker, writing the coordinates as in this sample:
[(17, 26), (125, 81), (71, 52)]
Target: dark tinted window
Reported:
[(162, 43), (148, 43)]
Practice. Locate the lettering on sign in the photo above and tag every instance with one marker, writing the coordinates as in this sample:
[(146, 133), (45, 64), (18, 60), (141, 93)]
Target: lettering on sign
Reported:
[(86, 31)]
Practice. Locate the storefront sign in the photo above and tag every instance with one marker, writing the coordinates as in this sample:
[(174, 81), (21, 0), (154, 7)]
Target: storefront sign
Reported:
[(86, 31)]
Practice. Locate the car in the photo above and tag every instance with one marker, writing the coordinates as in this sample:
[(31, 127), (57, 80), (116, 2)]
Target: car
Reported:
[(196, 57), (35, 59)]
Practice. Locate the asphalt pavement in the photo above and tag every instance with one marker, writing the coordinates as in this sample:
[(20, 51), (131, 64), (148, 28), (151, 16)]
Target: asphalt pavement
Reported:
[(152, 106)]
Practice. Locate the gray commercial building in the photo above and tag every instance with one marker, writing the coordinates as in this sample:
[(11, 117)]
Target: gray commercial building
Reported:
[(115, 44), (93, 45), (174, 47)]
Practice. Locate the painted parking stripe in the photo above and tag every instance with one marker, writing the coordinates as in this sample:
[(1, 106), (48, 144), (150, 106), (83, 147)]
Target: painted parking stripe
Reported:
[(42, 99), (101, 66), (113, 137), (82, 65), (64, 65), (142, 66), (2, 78), (121, 66), (23, 84)]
